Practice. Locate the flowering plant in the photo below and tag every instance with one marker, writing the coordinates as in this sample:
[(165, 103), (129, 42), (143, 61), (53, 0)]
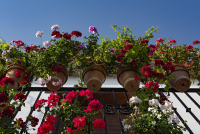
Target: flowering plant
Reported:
[(130, 51), (184, 54), (9, 101), (55, 55), (71, 112), (159, 118), (14, 54)]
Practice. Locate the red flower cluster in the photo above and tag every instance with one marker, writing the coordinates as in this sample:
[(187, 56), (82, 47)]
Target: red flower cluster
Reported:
[(18, 43), (53, 99), (127, 40), (48, 125), (133, 62), (168, 66), (144, 41), (79, 122), (34, 121), (6, 80), (159, 62), (20, 96), (71, 95), (56, 34), (20, 122), (40, 103), (196, 42), (67, 36), (99, 123), (76, 33), (25, 77), (152, 85), (148, 72), (69, 130), (86, 93), (58, 69), (94, 105), (9, 112), (160, 40), (136, 78), (3, 97), (189, 47), (119, 57), (128, 46), (172, 41), (17, 73), (30, 48)]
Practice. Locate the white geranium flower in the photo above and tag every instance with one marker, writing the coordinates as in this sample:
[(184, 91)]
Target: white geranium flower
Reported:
[(134, 100)]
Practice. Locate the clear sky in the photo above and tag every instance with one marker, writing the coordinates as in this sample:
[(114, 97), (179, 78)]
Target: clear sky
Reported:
[(177, 19)]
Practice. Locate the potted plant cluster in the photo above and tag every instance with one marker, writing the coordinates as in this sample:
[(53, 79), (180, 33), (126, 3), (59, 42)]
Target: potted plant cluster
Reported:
[(54, 59), (184, 58), (15, 63), (75, 117), (131, 55), (10, 99)]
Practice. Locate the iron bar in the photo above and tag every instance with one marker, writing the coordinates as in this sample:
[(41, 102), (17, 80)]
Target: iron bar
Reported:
[(187, 109), (104, 115), (193, 100)]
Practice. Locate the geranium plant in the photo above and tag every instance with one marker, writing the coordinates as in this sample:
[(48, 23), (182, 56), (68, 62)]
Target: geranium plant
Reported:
[(9, 101), (55, 56), (71, 112), (15, 57)]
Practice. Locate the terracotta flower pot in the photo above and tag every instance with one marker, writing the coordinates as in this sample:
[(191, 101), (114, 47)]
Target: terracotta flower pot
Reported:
[(126, 77), (11, 73), (181, 82), (63, 75), (94, 76)]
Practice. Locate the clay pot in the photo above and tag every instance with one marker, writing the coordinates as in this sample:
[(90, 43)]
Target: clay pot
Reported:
[(126, 77), (11, 73), (181, 82), (94, 76), (63, 75)]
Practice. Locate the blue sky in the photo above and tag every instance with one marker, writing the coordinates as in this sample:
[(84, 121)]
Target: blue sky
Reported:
[(21, 19)]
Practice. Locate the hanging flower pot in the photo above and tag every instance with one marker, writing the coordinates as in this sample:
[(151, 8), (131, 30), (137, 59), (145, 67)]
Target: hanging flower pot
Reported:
[(127, 77), (17, 72), (58, 80), (94, 76), (181, 82)]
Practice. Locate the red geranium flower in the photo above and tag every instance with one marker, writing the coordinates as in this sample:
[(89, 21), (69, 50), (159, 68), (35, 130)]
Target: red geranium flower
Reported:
[(3, 97), (34, 121), (99, 123), (127, 40), (144, 41), (17, 73), (119, 57), (56, 34), (20, 96), (86, 93), (94, 105), (9, 112), (128, 46), (6, 80), (189, 47), (76, 33), (58, 69), (152, 85), (53, 99), (69, 130), (79, 122), (196, 42), (67, 36), (40, 103), (160, 40), (19, 122), (172, 41), (71, 95)]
